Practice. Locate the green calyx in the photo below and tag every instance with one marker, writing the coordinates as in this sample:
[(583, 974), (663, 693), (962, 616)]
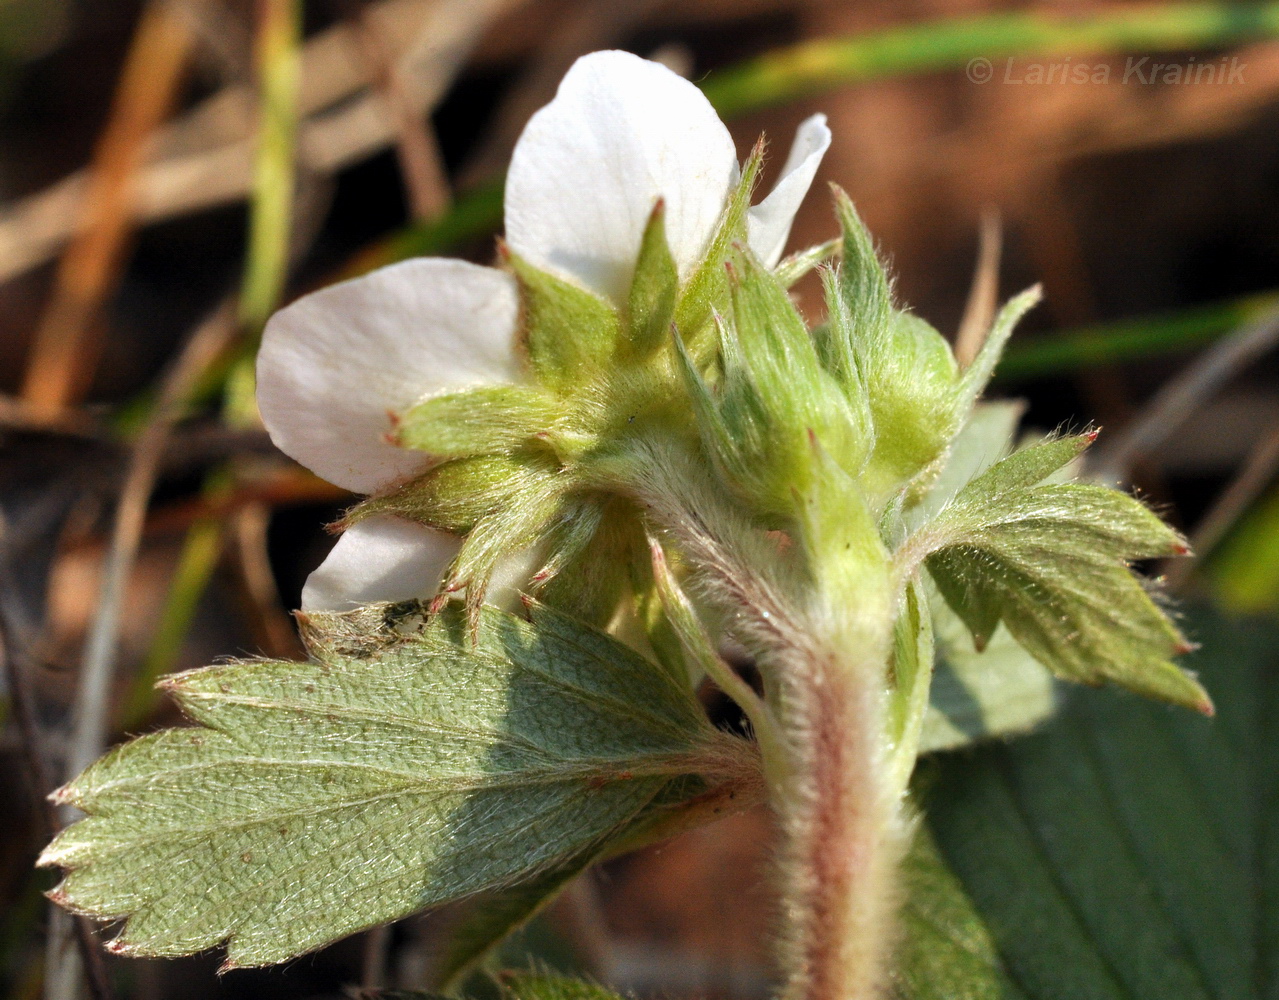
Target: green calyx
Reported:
[(839, 437), (520, 467)]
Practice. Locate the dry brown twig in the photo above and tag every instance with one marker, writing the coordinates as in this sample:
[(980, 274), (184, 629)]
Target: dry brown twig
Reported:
[(983, 295), (421, 164), (221, 34), (205, 158), (1182, 396), (1258, 470), (272, 627), (208, 341), (63, 356)]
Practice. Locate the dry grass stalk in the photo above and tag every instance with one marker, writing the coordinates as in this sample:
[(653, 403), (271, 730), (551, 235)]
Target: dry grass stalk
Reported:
[(205, 158), (63, 357)]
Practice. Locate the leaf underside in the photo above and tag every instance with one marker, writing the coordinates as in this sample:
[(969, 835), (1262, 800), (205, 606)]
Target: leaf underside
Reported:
[(387, 775), (976, 695), (1051, 562), (1000, 690)]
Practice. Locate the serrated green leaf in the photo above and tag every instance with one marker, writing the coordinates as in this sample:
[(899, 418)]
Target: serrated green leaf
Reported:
[(401, 768), (1002, 689), (1126, 851), (654, 289), (570, 332), (985, 438), (1051, 563), (1033, 465), (680, 806), (487, 420)]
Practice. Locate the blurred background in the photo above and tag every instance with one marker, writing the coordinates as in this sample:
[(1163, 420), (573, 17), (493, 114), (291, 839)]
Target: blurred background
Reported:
[(172, 171)]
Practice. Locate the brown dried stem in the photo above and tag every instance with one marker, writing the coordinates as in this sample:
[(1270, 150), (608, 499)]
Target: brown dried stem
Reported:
[(63, 356), (208, 342)]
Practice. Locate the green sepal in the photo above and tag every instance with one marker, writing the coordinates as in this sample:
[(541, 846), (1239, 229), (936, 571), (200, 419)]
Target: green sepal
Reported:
[(790, 269), (486, 420), (912, 391), (774, 397), (654, 289), (407, 748), (570, 333), (455, 495), (978, 374), (867, 299), (902, 366), (519, 526), (706, 289), (589, 566)]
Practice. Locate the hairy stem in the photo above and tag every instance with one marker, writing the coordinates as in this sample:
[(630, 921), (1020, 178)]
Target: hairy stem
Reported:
[(823, 639), (843, 824)]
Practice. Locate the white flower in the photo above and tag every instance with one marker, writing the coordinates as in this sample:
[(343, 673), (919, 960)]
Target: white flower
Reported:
[(621, 133)]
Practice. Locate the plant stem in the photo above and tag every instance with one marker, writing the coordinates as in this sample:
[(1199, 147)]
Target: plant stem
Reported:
[(824, 640), (843, 822)]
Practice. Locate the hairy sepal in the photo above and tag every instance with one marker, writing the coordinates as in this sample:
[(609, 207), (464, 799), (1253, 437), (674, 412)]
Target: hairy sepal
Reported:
[(654, 290), (315, 799), (773, 400), (456, 495), (901, 366), (487, 420), (706, 289), (570, 333)]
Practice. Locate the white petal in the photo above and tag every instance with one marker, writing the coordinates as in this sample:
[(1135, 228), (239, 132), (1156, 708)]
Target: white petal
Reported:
[(510, 579), (768, 223), (585, 175), (336, 363), (382, 558)]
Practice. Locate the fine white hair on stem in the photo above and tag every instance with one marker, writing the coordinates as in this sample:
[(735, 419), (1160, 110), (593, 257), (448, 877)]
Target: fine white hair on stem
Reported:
[(845, 827)]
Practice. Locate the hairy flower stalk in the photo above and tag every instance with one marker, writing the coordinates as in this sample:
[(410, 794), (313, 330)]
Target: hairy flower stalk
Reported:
[(823, 640), (843, 821)]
